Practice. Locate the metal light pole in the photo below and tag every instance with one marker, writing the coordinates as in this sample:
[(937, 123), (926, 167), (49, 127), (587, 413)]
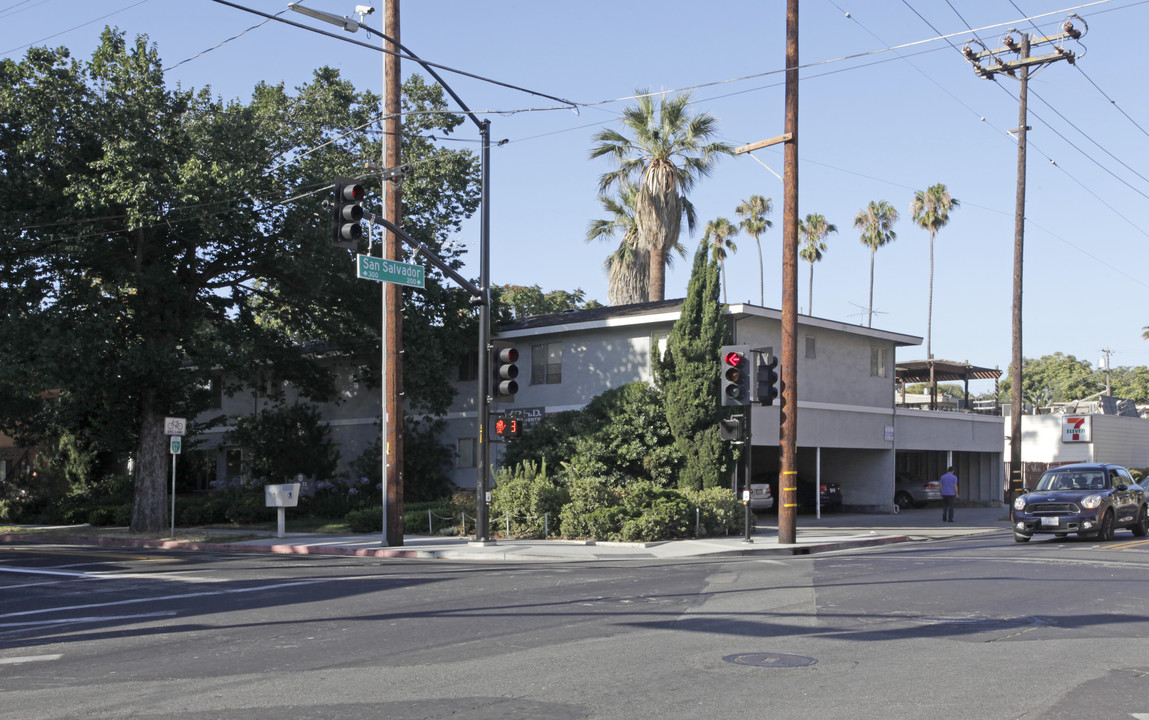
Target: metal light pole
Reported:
[(392, 307)]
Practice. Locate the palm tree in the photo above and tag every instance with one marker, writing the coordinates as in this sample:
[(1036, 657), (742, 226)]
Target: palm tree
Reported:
[(814, 230), (718, 236), (628, 267), (930, 209), (876, 221), (753, 213), (669, 151)]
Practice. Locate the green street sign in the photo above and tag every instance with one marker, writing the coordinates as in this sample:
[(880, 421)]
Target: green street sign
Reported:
[(177, 444), (382, 270)]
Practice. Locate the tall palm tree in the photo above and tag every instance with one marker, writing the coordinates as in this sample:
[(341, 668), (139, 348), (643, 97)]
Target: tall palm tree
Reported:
[(628, 267), (931, 211), (753, 213), (718, 236), (668, 151), (876, 222), (814, 230)]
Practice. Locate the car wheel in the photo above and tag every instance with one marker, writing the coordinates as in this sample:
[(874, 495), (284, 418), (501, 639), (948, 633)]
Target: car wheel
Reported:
[(1018, 537), (1141, 527), (903, 500), (1105, 532)]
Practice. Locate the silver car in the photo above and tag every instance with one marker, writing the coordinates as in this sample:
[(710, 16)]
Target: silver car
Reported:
[(912, 491), (760, 496)]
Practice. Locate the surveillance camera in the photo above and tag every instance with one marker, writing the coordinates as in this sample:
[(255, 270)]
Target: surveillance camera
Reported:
[(364, 9)]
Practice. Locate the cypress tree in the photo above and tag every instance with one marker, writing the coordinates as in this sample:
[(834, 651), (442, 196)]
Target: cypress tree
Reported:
[(688, 375)]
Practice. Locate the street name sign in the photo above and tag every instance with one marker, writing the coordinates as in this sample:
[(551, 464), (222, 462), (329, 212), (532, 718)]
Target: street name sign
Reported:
[(383, 270)]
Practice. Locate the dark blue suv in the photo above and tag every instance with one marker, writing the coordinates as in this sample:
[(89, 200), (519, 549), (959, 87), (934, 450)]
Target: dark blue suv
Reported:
[(1090, 499)]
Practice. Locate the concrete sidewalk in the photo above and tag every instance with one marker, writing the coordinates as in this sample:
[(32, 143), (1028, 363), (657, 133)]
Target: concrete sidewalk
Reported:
[(833, 531)]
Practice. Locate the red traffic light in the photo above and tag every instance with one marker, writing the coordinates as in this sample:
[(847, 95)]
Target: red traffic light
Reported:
[(353, 192), (508, 428), (734, 359)]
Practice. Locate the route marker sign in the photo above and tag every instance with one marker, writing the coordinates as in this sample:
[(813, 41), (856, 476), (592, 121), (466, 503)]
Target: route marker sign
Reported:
[(383, 270)]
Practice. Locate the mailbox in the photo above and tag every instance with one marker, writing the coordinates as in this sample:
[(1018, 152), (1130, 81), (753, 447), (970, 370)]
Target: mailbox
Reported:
[(285, 495)]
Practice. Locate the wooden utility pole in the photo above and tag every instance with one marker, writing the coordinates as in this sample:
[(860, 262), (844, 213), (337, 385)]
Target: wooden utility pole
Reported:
[(392, 292), (788, 407), (1020, 68)]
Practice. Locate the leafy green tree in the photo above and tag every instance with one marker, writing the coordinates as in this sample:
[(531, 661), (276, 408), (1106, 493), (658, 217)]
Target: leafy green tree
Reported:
[(753, 212), (814, 229), (930, 209), (1054, 378), (286, 440), (876, 223), (668, 151), (524, 301), (621, 436), (719, 236), (628, 267), (147, 243), (688, 375), (1130, 382)]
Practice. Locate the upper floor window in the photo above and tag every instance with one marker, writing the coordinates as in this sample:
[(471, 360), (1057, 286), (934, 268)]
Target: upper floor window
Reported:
[(547, 363), (810, 347), (878, 362), (469, 366)]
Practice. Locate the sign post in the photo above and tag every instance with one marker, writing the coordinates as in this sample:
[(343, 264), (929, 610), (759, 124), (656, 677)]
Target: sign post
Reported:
[(175, 428)]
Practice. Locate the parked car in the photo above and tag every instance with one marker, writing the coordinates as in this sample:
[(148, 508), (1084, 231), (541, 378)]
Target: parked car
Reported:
[(760, 497), (831, 492), (912, 491), (1090, 499)]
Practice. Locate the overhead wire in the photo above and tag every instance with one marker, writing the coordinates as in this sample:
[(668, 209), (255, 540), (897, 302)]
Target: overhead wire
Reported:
[(74, 27)]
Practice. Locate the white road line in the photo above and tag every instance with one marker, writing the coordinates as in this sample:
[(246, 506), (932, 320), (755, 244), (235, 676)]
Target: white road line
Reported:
[(94, 618), (187, 577), (234, 591), (29, 658)]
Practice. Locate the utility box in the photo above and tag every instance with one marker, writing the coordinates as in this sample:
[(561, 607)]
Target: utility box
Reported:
[(285, 495)]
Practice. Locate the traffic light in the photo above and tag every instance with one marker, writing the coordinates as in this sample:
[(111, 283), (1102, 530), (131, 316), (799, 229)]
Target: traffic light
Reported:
[(505, 370), (766, 378), (735, 375), (508, 428), (348, 211), (730, 429)]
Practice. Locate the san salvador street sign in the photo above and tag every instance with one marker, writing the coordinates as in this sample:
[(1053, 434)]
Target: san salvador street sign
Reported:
[(382, 270)]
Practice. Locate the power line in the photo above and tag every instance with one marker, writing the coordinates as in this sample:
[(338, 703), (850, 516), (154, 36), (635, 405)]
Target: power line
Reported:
[(75, 27)]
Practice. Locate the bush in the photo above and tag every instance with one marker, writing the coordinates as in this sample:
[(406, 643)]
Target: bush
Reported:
[(365, 521), (529, 498), (105, 515), (653, 513), (720, 512), (249, 509), (593, 510)]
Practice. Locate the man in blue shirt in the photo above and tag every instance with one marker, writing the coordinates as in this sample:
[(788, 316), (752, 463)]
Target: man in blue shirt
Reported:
[(949, 484)]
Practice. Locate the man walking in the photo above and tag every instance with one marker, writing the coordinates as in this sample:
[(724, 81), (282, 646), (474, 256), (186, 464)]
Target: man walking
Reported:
[(949, 484)]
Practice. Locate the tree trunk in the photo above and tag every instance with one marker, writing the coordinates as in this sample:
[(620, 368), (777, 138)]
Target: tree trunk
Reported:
[(930, 311), (870, 311), (761, 276), (810, 309), (151, 496)]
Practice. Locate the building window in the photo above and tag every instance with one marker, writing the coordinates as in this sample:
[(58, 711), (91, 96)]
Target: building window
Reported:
[(469, 366), (3, 470), (233, 464), (810, 350), (465, 453), (877, 362), (546, 364), (659, 340)]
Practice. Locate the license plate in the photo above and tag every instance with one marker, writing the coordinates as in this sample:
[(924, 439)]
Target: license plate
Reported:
[(1049, 522)]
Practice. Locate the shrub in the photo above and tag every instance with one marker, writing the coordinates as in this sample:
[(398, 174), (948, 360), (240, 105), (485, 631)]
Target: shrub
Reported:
[(720, 512), (529, 498), (593, 510), (105, 515), (653, 513), (366, 520)]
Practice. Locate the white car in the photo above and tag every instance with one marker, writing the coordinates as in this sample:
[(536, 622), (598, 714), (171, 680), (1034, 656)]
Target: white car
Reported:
[(760, 497)]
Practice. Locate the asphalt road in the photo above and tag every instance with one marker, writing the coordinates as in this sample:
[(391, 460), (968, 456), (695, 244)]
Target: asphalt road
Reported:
[(964, 628)]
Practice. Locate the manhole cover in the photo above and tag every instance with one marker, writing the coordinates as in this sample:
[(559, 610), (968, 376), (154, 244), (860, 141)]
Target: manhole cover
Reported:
[(769, 660)]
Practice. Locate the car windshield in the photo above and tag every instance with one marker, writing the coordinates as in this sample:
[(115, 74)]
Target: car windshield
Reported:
[(1073, 480)]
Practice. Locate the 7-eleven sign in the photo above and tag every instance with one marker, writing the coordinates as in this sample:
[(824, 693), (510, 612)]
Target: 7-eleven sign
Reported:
[(1076, 428)]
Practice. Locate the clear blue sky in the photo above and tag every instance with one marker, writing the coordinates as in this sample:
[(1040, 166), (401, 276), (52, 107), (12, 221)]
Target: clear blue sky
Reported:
[(875, 124)]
